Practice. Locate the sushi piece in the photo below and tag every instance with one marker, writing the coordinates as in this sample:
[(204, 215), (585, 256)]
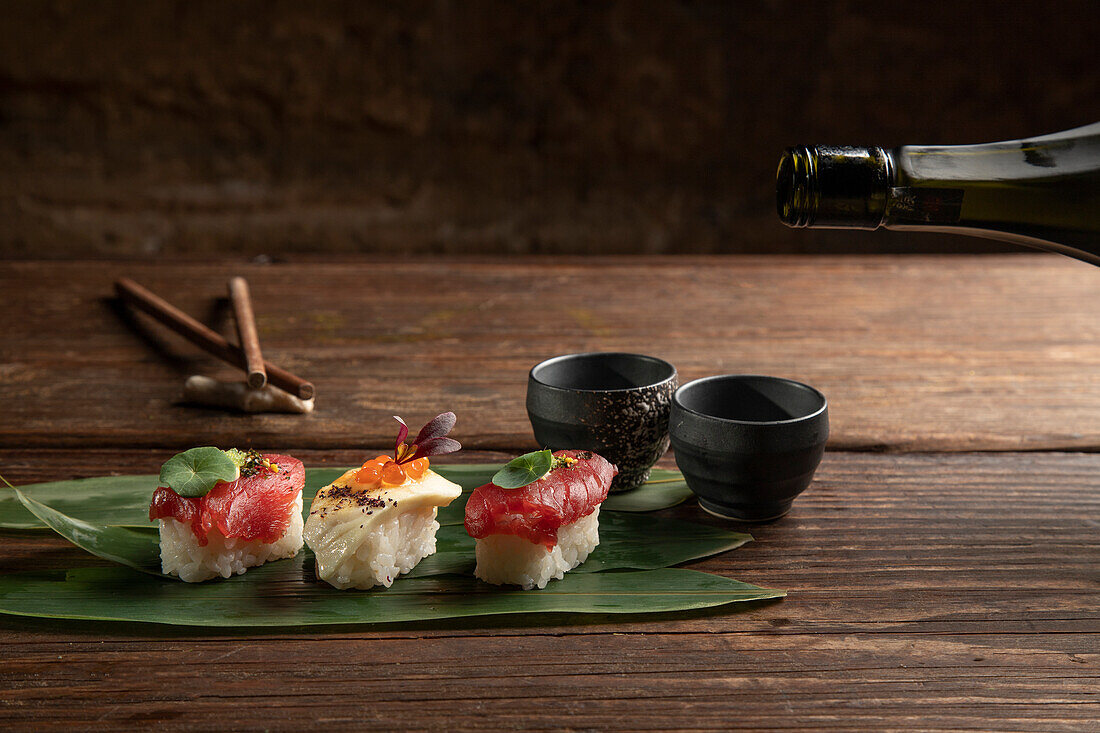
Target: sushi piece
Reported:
[(234, 524), (365, 532), (376, 522), (536, 533)]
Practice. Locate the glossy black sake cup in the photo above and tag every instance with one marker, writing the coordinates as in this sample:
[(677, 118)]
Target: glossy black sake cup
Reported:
[(615, 404), (748, 444)]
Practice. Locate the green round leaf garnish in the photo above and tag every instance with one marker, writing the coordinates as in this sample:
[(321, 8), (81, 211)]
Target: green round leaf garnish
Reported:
[(194, 472), (524, 470)]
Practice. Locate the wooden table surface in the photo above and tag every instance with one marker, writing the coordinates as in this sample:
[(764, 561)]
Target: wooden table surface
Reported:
[(943, 570)]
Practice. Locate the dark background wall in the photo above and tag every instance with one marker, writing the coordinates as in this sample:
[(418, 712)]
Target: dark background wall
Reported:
[(184, 128)]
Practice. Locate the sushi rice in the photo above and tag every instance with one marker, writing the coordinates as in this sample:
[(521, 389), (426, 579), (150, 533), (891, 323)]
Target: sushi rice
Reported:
[(347, 557), (506, 559), (182, 555)]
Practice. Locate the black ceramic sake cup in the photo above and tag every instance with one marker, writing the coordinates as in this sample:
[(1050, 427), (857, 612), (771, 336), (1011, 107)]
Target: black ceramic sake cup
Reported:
[(747, 444), (615, 404)]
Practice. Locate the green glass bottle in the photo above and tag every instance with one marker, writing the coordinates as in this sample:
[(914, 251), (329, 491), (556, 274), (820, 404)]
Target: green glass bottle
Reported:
[(1042, 192)]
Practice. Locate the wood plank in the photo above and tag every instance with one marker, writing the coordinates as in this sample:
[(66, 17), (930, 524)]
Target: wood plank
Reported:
[(938, 592), (919, 353)]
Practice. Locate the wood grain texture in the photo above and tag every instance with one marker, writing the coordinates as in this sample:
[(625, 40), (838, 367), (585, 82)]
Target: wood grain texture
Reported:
[(567, 127), (928, 592), (938, 590), (918, 353)]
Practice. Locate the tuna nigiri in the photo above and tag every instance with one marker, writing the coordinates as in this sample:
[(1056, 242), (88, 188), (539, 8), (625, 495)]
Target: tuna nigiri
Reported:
[(231, 525), (538, 532)]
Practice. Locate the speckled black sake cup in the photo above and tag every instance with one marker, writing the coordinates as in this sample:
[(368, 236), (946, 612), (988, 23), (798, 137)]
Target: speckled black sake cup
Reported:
[(748, 444), (615, 404)]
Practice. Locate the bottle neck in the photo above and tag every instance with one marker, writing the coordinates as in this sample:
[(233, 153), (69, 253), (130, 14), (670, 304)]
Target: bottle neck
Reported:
[(838, 187), (1041, 192)]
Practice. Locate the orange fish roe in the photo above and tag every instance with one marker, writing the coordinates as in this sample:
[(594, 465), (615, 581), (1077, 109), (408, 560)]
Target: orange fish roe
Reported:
[(416, 469), (369, 474), (384, 469), (393, 473)]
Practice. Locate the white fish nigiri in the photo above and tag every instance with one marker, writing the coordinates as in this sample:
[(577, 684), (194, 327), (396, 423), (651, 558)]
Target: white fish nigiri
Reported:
[(366, 534), (378, 521)]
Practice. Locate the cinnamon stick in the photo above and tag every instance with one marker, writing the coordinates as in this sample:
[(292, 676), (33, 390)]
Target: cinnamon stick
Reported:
[(203, 337), (246, 332)]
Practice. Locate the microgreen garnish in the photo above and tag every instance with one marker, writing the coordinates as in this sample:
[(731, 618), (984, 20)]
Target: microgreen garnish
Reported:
[(251, 461), (194, 472), (526, 469), (430, 441)]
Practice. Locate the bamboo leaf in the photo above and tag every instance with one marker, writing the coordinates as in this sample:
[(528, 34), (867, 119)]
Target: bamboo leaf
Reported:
[(124, 500), (134, 548), (626, 541), (286, 593), (645, 543), (287, 596), (468, 475), (664, 489)]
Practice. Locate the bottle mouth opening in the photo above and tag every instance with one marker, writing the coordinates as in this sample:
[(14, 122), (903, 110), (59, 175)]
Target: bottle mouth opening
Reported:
[(795, 198), (833, 187)]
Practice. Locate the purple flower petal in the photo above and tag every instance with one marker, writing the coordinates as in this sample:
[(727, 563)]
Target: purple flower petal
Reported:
[(439, 426), (436, 447), (401, 435)]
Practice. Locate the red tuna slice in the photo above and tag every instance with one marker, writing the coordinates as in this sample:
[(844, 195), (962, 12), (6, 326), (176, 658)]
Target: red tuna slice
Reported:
[(256, 507), (537, 511)]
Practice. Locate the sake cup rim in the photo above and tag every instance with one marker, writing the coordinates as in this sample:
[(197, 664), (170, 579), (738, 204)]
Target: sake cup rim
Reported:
[(678, 404), (672, 373)]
